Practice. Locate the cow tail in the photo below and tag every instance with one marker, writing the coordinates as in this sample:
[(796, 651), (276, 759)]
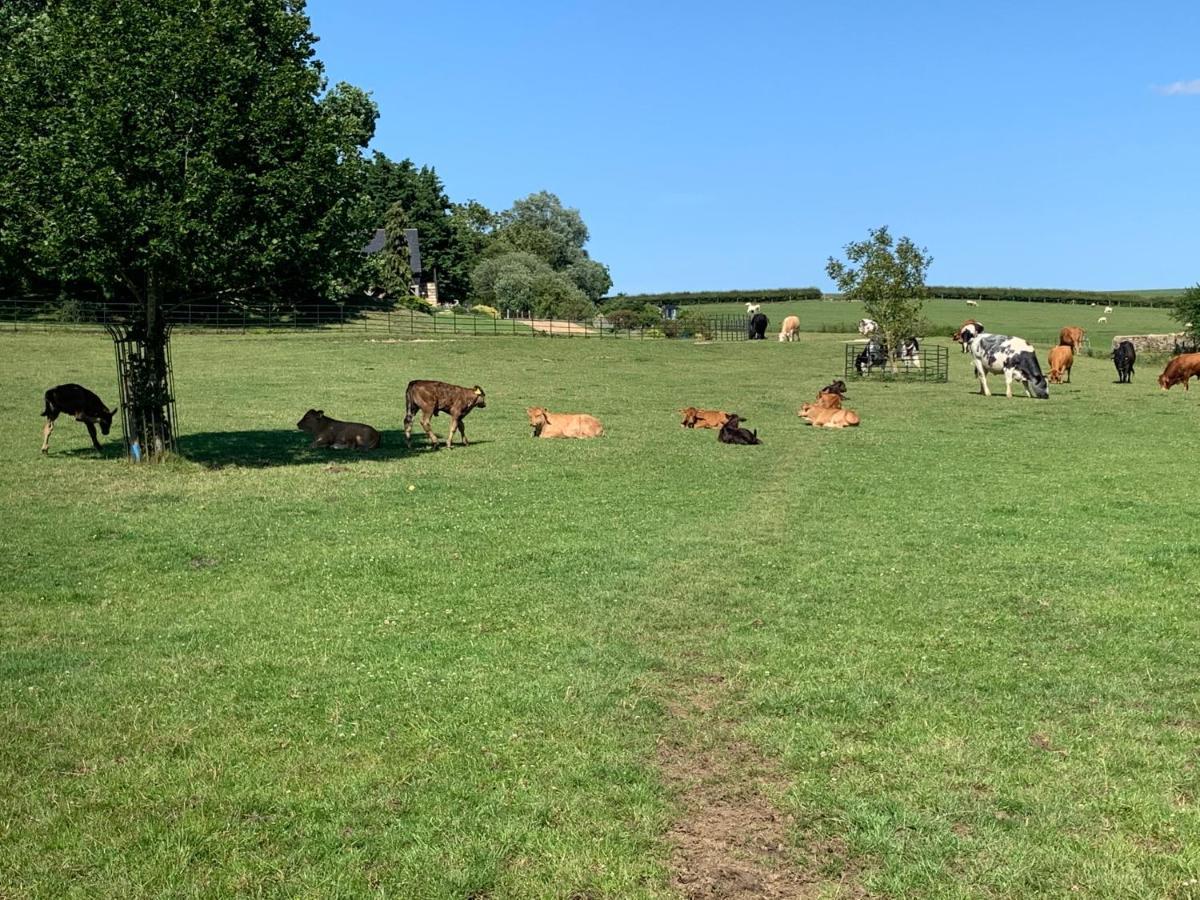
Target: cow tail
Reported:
[(409, 406), (48, 409)]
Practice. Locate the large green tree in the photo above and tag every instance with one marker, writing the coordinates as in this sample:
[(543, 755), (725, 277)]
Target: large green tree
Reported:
[(452, 236), (161, 151), (539, 228), (888, 277)]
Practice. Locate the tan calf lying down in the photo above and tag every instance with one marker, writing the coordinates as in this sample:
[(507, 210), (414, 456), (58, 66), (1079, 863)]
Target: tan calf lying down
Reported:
[(827, 416), (703, 418), (565, 425)]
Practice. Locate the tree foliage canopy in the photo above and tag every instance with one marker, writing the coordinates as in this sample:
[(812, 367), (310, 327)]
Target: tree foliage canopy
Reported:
[(1186, 311), (536, 261), (888, 276), (164, 150)]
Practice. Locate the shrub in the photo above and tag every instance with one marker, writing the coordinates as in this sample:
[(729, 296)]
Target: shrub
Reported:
[(482, 309), (643, 317)]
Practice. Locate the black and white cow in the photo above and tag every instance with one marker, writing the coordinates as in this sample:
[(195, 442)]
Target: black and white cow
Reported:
[(999, 354), (874, 354)]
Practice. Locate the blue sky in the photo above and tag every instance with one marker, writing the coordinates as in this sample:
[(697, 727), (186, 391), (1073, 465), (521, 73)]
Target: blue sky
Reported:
[(738, 145)]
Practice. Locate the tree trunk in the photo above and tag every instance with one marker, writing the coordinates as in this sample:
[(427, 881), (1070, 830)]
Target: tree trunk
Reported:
[(147, 379)]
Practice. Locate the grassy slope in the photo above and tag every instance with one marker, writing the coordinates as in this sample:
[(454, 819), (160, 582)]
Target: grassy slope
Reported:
[(966, 628), (1036, 322)]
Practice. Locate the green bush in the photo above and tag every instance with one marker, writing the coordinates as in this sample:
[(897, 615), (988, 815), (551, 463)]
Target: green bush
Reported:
[(643, 317), (482, 309)]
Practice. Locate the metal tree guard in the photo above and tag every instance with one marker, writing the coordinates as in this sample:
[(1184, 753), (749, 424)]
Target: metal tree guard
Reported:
[(147, 391)]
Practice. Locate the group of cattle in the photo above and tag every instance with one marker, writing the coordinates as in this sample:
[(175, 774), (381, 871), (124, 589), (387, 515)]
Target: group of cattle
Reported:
[(1016, 360), (877, 353), (995, 354)]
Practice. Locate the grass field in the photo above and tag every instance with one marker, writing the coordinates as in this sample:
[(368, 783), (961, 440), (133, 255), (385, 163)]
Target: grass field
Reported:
[(1038, 323), (954, 650)]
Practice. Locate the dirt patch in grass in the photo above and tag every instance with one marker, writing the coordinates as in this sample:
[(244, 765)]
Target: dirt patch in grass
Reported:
[(730, 841)]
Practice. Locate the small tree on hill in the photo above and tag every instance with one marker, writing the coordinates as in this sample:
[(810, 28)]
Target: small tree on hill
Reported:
[(1187, 311), (888, 276)]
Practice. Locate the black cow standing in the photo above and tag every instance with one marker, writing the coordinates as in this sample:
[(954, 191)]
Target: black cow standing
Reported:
[(77, 401), (756, 330), (1123, 358)]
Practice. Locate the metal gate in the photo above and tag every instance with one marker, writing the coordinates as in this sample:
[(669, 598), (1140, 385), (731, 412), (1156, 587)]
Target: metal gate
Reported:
[(865, 360)]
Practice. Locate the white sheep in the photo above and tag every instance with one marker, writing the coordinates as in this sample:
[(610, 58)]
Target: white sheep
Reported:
[(972, 303), (1108, 309), (1102, 319), (752, 308)]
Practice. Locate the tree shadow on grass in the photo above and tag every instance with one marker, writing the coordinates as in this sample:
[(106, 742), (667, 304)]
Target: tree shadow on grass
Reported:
[(288, 447)]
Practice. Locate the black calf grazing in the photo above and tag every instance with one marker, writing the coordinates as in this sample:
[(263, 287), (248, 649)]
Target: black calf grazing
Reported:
[(732, 433), (79, 402), (329, 432), (1123, 358)]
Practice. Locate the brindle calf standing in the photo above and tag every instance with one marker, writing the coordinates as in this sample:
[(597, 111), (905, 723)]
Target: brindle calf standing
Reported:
[(433, 397)]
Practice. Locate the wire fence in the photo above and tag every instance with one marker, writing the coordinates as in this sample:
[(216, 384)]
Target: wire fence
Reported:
[(23, 314)]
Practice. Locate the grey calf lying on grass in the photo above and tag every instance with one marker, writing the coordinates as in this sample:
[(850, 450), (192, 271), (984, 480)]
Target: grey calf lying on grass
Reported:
[(329, 432)]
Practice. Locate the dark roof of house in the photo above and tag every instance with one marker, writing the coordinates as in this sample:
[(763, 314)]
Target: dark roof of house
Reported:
[(378, 242), (414, 250)]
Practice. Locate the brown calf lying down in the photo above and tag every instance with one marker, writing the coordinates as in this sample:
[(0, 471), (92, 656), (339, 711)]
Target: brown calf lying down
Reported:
[(1061, 360), (75, 400), (704, 418), (1179, 371), (433, 397), (329, 432), (829, 400), (563, 425), (1072, 336), (828, 417)]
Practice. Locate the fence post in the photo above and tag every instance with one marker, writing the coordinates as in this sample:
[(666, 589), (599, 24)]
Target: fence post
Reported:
[(389, 320), (243, 320)]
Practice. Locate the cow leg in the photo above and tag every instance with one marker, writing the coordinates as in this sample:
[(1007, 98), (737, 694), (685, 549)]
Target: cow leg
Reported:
[(92, 431), (463, 431), (1008, 378), (450, 436), (983, 385), (408, 430), (433, 442), (49, 427)]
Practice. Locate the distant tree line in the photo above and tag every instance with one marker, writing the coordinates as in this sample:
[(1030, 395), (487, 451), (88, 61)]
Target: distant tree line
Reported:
[(689, 298)]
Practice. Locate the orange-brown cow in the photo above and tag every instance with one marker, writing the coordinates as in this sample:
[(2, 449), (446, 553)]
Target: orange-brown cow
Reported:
[(1073, 337), (563, 425), (1180, 370), (825, 417), (704, 418), (1061, 360)]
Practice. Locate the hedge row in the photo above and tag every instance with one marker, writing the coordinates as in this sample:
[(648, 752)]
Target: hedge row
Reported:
[(690, 298), (1039, 295), (940, 292)]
